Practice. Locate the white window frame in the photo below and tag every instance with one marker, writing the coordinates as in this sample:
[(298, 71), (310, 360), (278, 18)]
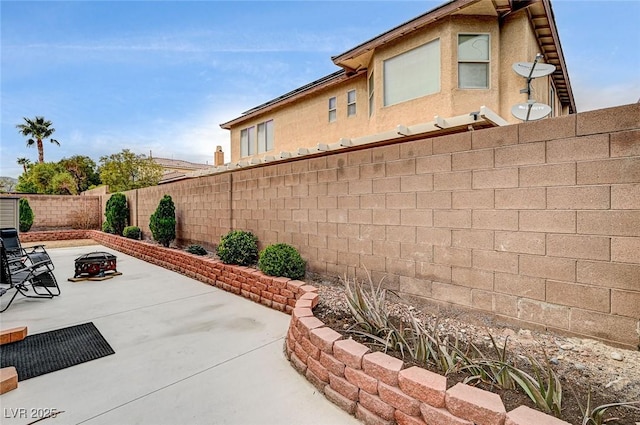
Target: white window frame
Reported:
[(257, 139), (552, 99), (475, 61), (333, 109), (398, 83), (248, 141), (265, 136), (351, 103), (371, 86)]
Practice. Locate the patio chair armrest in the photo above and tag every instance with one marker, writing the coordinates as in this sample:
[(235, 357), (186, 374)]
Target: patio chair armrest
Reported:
[(14, 260), (35, 249)]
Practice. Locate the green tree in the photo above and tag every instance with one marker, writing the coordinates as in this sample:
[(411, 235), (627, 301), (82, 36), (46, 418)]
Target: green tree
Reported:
[(26, 185), (37, 130), (163, 221), (47, 178), (63, 184), (37, 178), (126, 170), (117, 213), (83, 170), (25, 162)]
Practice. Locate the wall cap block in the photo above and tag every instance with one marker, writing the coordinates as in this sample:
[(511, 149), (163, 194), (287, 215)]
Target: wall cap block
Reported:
[(476, 405)]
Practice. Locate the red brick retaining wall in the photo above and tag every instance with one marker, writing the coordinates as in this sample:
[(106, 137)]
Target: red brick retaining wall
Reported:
[(373, 386), (274, 292)]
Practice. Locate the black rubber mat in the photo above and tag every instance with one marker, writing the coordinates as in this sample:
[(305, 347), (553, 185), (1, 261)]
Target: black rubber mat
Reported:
[(54, 350)]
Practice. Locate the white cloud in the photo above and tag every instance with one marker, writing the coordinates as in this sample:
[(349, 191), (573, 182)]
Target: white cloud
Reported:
[(191, 138)]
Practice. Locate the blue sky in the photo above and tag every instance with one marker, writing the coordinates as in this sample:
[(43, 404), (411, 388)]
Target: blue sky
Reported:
[(161, 76)]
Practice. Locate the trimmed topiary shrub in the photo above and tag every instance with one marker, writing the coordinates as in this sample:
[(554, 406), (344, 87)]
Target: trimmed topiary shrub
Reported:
[(117, 213), (163, 222), (25, 215), (106, 227), (238, 247), (132, 232), (196, 249), (282, 260)]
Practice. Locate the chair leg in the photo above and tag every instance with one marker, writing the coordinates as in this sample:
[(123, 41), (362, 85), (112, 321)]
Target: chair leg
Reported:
[(4, 291), (23, 289)]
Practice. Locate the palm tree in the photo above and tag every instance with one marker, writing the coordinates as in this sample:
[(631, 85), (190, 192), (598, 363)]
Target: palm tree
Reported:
[(40, 129), (24, 162)]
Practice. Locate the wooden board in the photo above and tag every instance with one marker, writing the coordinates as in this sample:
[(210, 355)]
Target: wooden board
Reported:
[(95, 278)]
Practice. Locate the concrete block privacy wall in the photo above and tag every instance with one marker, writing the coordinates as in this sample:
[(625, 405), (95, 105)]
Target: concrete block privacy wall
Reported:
[(537, 223), (63, 211)]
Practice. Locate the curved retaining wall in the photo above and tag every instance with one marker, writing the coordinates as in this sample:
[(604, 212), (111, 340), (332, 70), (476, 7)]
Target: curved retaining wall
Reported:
[(373, 386)]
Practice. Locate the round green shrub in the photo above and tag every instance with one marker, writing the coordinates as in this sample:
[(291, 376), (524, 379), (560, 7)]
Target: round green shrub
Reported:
[(163, 222), (117, 212), (238, 247), (282, 260), (132, 232), (25, 215), (196, 249)]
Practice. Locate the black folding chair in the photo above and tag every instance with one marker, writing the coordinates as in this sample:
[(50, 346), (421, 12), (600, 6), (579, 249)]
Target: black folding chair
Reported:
[(12, 244), (21, 275)]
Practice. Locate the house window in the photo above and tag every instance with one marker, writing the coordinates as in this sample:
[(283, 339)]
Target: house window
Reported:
[(473, 61), (332, 109), (265, 136), (248, 142), (412, 74), (371, 105), (351, 103), (552, 100)]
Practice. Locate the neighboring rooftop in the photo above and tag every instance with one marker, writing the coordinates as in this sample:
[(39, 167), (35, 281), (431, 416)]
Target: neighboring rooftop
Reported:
[(177, 169), (179, 164)]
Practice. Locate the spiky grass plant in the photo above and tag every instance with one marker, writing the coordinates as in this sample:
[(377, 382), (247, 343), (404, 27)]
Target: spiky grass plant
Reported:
[(596, 415), (367, 304), (543, 387), (428, 345), (492, 370)]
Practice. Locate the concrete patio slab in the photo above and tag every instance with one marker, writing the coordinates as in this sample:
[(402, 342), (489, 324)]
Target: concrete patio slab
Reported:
[(185, 353)]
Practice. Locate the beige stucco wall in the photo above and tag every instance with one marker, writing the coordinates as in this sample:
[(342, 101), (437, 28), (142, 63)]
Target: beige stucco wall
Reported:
[(304, 122), (519, 44)]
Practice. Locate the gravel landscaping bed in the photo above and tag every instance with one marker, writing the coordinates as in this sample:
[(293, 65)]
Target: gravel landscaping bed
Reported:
[(611, 374)]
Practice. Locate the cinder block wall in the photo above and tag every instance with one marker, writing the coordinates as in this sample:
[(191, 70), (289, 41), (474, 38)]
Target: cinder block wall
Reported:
[(61, 211), (537, 223), (203, 210)]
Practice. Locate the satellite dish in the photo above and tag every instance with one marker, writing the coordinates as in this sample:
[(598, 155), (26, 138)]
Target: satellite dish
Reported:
[(530, 111), (539, 69)]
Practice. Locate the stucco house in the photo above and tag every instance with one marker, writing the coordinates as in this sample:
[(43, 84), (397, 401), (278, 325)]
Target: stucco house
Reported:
[(448, 70)]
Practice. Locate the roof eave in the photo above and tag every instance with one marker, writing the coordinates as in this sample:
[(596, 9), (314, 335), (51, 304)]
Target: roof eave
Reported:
[(402, 29), (563, 66)]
